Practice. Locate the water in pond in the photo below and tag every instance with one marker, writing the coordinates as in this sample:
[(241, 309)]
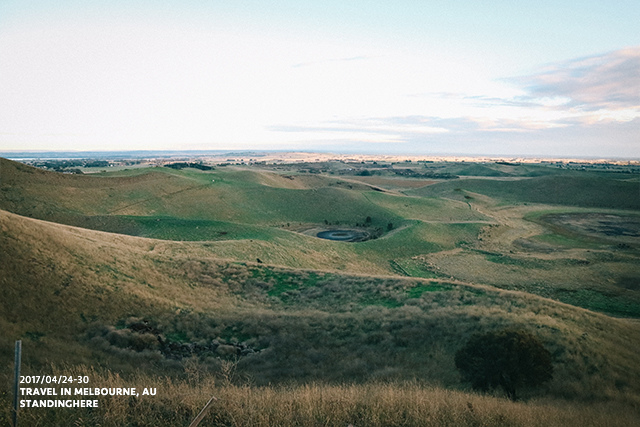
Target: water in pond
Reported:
[(344, 235)]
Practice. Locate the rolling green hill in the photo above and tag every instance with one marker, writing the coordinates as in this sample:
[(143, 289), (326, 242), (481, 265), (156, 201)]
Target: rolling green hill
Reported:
[(205, 280), (569, 190), (236, 206), (464, 229), (69, 288)]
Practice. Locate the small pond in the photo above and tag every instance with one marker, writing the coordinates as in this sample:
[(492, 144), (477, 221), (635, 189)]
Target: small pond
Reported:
[(344, 235)]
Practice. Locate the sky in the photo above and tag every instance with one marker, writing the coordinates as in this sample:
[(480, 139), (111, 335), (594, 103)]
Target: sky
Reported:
[(546, 78)]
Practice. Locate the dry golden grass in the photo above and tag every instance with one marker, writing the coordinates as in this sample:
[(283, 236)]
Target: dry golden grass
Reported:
[(297, 181), (177, 402)]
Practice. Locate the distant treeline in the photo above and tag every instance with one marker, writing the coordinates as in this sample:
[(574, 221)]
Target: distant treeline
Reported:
[(409, 173), (433, 175), (59, 165), (182, 165)]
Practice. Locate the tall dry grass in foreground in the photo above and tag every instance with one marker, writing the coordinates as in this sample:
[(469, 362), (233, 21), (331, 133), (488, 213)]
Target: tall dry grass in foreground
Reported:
[(383, 404)]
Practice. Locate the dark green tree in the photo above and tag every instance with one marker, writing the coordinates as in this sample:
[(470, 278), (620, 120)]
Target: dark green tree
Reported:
[(508, 359)]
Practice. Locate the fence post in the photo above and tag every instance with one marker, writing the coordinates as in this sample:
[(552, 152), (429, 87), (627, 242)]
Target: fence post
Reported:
[(202, 413), (16, 382)]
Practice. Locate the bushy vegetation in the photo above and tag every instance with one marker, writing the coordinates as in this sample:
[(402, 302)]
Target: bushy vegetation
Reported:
[(507, 359), (182, 165)]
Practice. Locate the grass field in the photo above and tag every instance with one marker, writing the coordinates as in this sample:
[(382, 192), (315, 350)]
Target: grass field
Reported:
[(248, 213), (376, 404), (307, 325), (570, 190), (208, 279)]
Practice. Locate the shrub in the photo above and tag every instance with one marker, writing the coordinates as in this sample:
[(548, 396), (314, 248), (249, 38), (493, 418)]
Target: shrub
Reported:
[(510, 359)]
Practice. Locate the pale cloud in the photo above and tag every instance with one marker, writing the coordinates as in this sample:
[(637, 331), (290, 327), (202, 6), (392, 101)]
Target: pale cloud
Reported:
[(583, 97), (608, 81), (537, 121), (373, 130), (586, 90), (469, 136), (593, 89)]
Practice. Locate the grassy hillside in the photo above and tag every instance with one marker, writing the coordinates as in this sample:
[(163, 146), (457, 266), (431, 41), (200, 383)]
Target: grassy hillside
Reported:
[(71, 288), (236, 195), (567, 190), (507, 169), (236, 300), (487, 231), (224, 194), (238, 208), (79, 297)]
